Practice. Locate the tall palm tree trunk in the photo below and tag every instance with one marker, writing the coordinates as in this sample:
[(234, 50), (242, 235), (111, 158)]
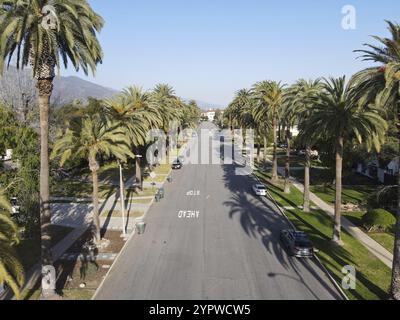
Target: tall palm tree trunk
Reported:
[(338, 197), (122, 196), (258, 148), (287, 164), (45, 88), (307, 168), (395, 284), (138, 173), (94, 167), (265, 149), (275, 157)]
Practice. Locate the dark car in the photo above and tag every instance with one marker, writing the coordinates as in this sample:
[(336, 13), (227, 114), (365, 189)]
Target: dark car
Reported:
[(177, 164), (297, 243)]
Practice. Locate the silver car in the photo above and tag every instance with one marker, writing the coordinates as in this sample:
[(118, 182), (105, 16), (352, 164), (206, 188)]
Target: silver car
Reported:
[(260, 190), (297, 243)]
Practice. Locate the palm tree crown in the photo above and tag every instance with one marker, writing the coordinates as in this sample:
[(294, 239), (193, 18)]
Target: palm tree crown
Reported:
[(337, 113), (73, 38), (338, 116)]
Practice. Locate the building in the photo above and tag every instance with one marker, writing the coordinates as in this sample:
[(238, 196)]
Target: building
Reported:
[(210, 115), (386, 175)]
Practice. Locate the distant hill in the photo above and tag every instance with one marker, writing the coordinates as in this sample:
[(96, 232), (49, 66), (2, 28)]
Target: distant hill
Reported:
[(14, 83), (205, 105), (67, 89)]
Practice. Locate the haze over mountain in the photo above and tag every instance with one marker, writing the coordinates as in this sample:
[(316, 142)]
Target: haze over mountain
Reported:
[(17, 88), (205, 105)]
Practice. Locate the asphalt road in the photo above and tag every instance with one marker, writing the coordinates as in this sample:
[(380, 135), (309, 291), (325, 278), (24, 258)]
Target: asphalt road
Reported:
[(231, 251)]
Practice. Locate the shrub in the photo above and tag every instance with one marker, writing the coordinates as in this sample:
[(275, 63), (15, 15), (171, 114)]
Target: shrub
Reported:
[(378, 220)]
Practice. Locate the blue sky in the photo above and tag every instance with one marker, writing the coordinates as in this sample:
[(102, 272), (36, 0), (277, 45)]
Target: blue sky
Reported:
[(209, 49)]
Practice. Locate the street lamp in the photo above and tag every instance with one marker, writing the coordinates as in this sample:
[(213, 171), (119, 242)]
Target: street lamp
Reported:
[(122, 197)]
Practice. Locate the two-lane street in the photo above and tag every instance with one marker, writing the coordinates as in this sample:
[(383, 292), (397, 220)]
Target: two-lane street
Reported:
[(230, 251)]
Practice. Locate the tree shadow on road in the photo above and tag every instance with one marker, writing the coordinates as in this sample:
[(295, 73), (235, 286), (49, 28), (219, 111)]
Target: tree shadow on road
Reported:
[(260, 218), (257, 218)]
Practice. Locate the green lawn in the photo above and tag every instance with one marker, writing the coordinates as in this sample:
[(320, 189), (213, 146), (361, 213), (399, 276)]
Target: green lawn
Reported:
[(357, 195), (162, 169), (118, 214), (147, 192), (71, 294), (373, 277), (385, 239), (78, 294), (29, 250), (322, 176), (158, 178), (77, 189), (141, 201), (295, 161), (109, 173)]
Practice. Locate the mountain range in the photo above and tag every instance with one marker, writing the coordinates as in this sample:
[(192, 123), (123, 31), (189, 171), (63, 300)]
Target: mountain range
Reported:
[(16, 83)]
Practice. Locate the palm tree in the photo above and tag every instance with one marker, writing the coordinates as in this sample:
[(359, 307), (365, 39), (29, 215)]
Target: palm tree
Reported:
[(11, 270), (137, 112), (26, 36), (261, 111), (134, 123), (169, 106), (339, 116), (88, 138), (289, 119), (240, 112), (299, 100), (381, 85), (269, 100)]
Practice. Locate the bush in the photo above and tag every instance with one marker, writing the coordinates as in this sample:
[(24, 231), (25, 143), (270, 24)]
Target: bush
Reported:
[(378, 220)]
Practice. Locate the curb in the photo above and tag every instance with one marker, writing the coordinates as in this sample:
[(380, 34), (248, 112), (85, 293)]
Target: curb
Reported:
[(131, 237), (327, 272)]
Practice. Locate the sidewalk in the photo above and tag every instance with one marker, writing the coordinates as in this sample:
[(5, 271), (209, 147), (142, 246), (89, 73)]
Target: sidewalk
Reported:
[(79, 217), (374, 247)]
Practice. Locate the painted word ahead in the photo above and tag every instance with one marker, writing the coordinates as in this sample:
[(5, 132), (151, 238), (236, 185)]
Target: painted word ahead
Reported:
[(190, 214)]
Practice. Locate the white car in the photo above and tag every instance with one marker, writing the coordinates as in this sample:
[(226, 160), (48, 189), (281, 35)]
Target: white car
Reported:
[(260, 190)]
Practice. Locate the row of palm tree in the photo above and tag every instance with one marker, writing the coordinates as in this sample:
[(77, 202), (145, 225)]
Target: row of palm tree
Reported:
[(380, 85), (330, 110), (119, 130), (28, 40)]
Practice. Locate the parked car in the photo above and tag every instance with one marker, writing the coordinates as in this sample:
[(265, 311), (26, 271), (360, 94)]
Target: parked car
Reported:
[(297, 243), (260, 190), (177, 164)]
